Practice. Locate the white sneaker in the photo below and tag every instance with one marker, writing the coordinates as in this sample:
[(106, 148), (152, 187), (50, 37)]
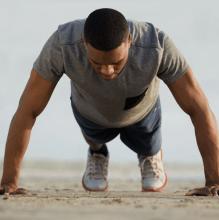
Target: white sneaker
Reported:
[(153, 176), (95, 175)]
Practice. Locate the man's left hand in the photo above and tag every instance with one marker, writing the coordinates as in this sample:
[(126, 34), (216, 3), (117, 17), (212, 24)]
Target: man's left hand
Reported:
[(204, 191)]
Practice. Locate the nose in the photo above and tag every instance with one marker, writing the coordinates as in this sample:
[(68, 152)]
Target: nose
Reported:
[(107, 70)]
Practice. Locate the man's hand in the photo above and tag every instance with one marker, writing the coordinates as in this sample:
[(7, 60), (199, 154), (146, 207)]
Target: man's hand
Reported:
[(33, 100), (7, 190), (193, 101), (204, 191)]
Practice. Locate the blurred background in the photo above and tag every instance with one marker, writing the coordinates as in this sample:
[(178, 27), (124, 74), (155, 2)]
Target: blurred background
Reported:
[(25, 25)]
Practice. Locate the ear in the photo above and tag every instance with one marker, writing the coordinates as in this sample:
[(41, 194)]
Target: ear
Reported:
[(129, 39)]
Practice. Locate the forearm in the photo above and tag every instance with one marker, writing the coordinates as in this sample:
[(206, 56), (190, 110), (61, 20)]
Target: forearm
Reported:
[(16, 145), (207, 137)]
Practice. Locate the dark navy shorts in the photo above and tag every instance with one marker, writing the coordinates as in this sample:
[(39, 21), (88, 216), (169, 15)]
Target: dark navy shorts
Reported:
[(143, 137)]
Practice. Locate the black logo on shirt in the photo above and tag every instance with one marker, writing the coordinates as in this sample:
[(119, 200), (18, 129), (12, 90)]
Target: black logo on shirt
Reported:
[(133, 101)]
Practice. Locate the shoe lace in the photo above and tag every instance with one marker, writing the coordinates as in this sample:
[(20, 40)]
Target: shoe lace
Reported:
[(98, 166), (150, 166)]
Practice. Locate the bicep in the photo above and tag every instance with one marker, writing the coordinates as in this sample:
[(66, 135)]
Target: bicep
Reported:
[(188, 94), (36, 94)]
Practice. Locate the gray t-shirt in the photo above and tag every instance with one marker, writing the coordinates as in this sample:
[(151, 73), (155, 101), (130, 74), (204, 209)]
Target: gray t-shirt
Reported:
[(126, 99)]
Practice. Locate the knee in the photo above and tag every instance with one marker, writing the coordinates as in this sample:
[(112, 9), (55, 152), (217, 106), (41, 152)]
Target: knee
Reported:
[(92, 144)]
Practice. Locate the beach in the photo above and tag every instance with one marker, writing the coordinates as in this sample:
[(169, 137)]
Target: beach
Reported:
[(55, 192), (54, 186)]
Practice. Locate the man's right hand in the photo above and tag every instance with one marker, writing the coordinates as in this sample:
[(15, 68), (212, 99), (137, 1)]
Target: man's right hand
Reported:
[(11, 190), (32, 102)]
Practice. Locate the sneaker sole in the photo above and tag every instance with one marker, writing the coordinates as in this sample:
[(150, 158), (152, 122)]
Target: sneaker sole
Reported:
[(94, 190), (160, 189)]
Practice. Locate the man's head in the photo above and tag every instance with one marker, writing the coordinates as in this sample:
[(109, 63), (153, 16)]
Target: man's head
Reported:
[(107, 40)]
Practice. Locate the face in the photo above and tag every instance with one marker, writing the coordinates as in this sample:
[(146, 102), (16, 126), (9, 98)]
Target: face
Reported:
[(108, 64)]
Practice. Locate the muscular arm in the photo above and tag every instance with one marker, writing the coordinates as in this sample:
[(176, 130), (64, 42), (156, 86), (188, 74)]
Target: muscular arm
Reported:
[(32, 102), (192, 100)]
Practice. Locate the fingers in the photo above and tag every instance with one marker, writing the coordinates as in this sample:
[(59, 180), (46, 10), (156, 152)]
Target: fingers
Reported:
[(204, 191), (197, 192), (19, 191), (214, 190), (6, 191), (6, 196), (191, 192)]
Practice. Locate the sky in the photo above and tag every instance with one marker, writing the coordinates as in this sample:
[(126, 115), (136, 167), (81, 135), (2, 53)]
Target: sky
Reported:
[(26, 25)]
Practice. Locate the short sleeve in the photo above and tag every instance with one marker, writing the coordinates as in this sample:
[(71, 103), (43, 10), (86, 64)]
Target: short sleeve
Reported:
[(173, 64), (49, 63)]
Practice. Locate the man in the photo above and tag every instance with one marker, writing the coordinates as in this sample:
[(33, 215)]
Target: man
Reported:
[(114, 66)]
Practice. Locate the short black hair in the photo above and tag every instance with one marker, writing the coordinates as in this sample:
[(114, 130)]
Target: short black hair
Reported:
[(105, 29)]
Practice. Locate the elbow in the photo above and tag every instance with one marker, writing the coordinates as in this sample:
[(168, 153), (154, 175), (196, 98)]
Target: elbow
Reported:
[(197, 106), (191, 112), (200, 113), (35, 114), (27, 112)]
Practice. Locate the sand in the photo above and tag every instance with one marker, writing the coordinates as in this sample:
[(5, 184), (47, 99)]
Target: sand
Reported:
[(55, 192)]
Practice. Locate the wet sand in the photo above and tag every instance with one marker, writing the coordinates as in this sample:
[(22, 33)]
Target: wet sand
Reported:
[(55, 192)]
